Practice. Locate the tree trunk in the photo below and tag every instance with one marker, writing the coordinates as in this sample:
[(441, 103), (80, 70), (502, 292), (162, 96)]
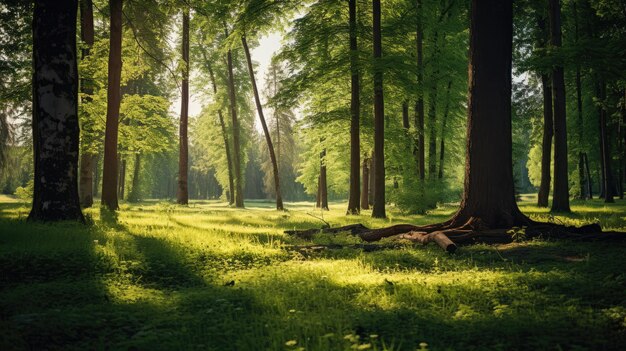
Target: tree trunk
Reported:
[(231, 187), (323, 184), (622, 148), (378, 210), (135, 195), (546, 145), (109, 169), (55, 112), (121, 178), (86, 158), (365, 186), (419, 105), (96, 173), (372, 176), (560, 199), (235, 124), (266, 132), (605, 146), (318, 195), (443, 130), (579, 113), (588, 173), (432, 117), (355, 142), (182, 196), (489, 190)]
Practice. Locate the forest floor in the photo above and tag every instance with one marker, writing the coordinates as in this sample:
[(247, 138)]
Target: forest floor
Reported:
[(209, 277)]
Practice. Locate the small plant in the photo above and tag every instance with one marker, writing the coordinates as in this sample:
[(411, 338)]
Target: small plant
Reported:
[(518, 233)]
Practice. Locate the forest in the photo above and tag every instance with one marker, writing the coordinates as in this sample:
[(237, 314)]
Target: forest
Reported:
[(312, 175)]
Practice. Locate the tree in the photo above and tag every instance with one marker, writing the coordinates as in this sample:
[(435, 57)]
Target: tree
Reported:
[(548, 125), (268, 137), (236, 133), (355, 142), (109, 177), (378, 210), (419, 104), (55, 112), (87, 158), (560, 199), (183, 157)]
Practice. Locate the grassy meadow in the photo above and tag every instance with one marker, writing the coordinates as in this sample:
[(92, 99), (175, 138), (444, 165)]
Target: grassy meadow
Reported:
[(157, 276)]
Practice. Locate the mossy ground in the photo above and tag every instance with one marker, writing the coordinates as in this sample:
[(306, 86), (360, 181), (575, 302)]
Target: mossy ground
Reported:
[(209, 277)]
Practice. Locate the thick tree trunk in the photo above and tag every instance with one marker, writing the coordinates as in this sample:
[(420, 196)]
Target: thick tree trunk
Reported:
[(489, 190), (443, 130), (546, 145), (378, 210), (560, 199), (109, 169), (86, 158), (323, 183), (419, 104), (55, 112), (266, 132), (182, 196), (365, 185), (235, 125), (355, 140)]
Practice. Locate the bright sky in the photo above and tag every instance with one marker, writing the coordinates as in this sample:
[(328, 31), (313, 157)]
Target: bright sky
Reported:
[(262, 55)]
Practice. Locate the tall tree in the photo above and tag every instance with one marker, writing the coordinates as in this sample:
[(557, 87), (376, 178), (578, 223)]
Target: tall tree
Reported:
[(605, 150), (231, 187), (266, 132), (323, 183), (55, 112), (560, 198), (419, 104), (182, 195), (378, 210), (546, 144), (86, 159), (232, 96), (109, 173), (365, 185), (355, 116)]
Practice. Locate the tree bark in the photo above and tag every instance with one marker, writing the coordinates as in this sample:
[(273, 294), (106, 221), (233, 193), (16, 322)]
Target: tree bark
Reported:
[(109, 169), (546, 145), (419, 104), (121, 178), (55, 112), (323, 183), (443, 130), (355, 142), (560, 199), (86, 158), (432, 116), (579, 113), (231, 187), (266, 132), (605, 146), (235, 125), (135, 194), (182, 196), (588, 173), (365, 186), (378, 210)]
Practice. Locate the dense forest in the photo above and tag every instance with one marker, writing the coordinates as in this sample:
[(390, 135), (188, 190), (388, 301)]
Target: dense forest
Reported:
[(489, 122), (139, 62)]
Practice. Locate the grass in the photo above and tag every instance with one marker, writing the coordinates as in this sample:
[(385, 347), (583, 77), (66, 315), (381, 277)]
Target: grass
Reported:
[(157, 276)]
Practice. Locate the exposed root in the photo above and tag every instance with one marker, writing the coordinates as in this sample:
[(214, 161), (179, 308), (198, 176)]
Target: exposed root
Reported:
[(456, 231)]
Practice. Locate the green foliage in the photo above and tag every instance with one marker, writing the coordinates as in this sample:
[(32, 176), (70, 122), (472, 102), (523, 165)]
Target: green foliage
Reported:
[(25, 193), (415, 197)]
